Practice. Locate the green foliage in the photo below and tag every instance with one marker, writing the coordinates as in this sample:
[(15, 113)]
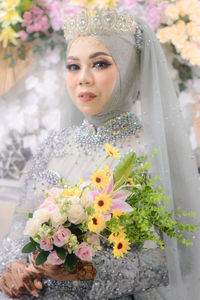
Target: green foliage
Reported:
[(25, 5), (70, 262), (8, 55), (12, 63), (124, 169), (29, 248), (61, 252), (151, 214), (41, 257)]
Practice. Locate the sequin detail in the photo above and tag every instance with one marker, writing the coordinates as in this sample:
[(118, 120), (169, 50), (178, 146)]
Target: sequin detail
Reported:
[(123, 125), (83, 138)]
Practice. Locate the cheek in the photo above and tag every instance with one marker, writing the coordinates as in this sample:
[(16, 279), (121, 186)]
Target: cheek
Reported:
[(70, 83), (108, 81)]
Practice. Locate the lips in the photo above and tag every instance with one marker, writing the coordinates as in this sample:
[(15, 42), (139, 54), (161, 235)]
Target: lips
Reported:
[(86, 96)]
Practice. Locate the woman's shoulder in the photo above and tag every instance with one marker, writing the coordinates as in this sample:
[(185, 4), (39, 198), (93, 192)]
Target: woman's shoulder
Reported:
[(53, 146)]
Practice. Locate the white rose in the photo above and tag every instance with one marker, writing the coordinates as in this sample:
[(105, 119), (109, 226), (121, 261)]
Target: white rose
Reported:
[(42, 215), (86, 198), (74, 200), (57, 218), (76, 214), (32, 227)]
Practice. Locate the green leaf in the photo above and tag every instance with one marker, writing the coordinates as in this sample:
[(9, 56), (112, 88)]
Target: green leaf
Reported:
[(124, 169), (38, 49), (13, 63), (33, 242), (52, 45), (30, 215), (25, 4), (8, 55), (41, 258), (182, 87), (70, 262), (61, 252), (22, 56), (45, 37), (29, 248)]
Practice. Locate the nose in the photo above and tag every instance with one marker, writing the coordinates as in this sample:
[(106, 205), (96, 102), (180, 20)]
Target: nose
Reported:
[(86, 77)]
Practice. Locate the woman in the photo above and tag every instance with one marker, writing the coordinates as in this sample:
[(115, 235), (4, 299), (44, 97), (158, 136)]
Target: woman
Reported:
[(121, 60)]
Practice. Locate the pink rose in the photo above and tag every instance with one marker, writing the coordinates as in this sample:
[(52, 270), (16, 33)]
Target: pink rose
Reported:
[(22, 34), (61, 236), (54, 192), (84, 252), (54, 259), (92, 238), (46, 243), (48, 204)]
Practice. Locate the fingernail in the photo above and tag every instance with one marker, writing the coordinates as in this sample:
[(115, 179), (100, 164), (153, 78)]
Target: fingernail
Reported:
[(38, 284), (35, 293)]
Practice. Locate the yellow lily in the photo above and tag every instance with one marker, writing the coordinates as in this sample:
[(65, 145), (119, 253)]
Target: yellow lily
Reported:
[(10, 3), (9, 16), (8, 34)]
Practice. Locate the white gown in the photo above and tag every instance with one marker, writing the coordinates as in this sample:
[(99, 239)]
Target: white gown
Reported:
[(73, 153)]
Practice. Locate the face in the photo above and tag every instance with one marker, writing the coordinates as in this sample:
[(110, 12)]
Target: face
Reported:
[(91, 74)]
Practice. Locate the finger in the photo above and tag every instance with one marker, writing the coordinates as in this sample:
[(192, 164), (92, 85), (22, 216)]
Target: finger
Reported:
[(26, 279), (35, 293), (38, 284), (15, 275)]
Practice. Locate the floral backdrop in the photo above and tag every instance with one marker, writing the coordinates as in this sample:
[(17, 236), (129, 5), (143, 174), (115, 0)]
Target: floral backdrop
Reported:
[(32, 77)]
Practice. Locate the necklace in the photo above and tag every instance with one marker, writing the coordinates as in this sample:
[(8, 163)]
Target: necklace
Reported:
[(123, 125)]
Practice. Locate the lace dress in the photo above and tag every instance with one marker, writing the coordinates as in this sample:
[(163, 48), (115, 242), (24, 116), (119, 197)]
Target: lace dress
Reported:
[(73, 153)]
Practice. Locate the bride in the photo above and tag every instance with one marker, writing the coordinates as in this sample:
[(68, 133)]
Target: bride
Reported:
[(113, 59)]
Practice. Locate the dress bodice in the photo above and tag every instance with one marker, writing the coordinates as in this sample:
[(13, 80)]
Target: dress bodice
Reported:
[(73, 153)]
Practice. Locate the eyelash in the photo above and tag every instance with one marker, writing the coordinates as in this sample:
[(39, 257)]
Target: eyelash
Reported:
[(102, 65)]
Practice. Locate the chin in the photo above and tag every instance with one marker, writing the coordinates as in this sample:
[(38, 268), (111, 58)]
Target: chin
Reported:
[(89, 110)]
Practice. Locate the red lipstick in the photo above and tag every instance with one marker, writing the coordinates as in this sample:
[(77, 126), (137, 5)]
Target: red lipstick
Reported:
[(86, 96)]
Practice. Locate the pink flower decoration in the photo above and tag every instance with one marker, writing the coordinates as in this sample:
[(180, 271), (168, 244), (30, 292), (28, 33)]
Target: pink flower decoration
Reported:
[(36, 20), (23, 35), (84, 252), (54, 259), (61, 236), (92, 238), (54, 192), (46, 243), (48, 204), (118, 198)]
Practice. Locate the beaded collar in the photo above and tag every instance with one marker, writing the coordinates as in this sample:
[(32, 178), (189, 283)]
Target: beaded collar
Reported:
[(123, 125)]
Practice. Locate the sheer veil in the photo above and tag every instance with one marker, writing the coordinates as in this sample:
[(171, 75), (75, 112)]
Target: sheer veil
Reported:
[(164, 128)]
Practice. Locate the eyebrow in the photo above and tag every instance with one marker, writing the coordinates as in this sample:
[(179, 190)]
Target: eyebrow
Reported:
[(91, 56)]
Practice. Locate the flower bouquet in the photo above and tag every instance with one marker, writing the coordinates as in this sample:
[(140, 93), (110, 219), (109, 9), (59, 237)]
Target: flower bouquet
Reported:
[(121, 207)]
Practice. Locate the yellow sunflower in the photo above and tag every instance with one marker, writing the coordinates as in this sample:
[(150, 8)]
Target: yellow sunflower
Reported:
[(117, 213), (102, 203), (100, 179), (121, 247), (71, 192), (112, 151), (114, 237), (96, 223), (107, 170)]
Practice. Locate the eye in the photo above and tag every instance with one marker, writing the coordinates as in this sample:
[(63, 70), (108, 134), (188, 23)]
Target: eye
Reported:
[(101, 64), (72, 67)]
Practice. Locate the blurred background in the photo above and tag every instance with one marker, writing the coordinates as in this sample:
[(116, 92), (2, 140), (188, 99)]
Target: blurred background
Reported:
[(32, 75)]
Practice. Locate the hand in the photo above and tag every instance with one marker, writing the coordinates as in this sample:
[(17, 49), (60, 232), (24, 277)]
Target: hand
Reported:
[(17, 280), (83, 271)]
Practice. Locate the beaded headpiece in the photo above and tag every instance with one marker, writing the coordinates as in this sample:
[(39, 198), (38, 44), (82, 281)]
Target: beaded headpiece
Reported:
[(102, 21)]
